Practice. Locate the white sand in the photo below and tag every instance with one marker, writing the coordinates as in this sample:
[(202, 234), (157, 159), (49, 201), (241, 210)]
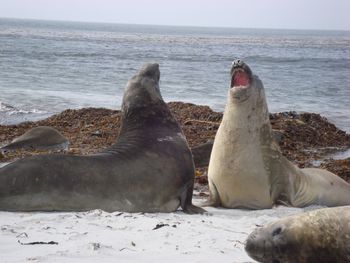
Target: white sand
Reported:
[(97, 236)]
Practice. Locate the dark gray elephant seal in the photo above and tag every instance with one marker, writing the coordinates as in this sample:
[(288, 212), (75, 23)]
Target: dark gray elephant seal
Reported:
[(247, 169), (40, 138), (319, 236), (149, 169)]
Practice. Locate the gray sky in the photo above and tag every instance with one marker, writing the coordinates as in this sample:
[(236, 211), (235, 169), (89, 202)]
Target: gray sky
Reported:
[(294, 14)]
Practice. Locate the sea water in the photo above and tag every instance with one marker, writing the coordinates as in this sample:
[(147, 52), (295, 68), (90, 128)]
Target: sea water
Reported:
[(50, 66)]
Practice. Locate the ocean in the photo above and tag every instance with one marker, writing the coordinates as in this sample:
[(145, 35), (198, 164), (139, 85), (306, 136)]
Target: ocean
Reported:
[(49, 66)]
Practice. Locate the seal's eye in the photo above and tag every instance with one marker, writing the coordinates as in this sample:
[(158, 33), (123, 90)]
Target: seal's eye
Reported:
[(276, 231)]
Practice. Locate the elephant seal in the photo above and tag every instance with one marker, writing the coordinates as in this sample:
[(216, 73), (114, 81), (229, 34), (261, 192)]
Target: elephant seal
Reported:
[(149, 169), (318, 236), (247, 169), (40, 138), (201, 153)]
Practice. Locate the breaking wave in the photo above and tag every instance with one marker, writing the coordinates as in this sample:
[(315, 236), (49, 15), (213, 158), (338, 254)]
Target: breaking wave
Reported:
[(11, 115)]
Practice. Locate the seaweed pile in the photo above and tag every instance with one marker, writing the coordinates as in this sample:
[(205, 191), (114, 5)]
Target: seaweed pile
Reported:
[(304, 138)]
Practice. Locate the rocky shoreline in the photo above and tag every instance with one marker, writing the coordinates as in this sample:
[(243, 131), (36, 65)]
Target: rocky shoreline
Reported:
[(306, 139)]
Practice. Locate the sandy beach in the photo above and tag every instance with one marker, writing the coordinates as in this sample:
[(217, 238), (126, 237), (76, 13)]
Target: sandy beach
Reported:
[(66, 64), (307, 139), (97, 236)]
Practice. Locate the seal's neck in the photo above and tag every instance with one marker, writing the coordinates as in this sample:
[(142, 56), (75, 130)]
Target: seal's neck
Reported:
[(143, 118), (142, 127), (248, 116)]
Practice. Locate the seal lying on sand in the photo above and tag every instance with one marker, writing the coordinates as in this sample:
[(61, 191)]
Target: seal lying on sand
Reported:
[(247, 169), (40, 138), (318, 236), (149, 169)]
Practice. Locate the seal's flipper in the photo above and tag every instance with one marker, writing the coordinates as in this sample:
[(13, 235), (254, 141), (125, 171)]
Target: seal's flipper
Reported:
[(186, 201), (314, 186), (214, 198), (192, 209)]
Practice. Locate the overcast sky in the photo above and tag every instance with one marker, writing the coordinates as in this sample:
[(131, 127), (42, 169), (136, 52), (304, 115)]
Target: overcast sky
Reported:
[(293, 14)]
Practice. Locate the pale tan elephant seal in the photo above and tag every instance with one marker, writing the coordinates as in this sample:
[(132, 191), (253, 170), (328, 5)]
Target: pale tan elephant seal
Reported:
[(247, 169), (319, 236)]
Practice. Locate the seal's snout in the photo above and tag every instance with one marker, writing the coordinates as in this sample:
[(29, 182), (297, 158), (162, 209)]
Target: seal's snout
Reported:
[(253, 248), (240, 74), (151, 70), (251, 242), (237, 63), (256, 245)]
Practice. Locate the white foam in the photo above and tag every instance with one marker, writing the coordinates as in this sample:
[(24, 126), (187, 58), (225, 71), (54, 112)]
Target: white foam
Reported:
[(11, 110), (6, 107)]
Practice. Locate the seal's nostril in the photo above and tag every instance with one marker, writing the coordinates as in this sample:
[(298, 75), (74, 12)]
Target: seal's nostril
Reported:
[(237, 63)]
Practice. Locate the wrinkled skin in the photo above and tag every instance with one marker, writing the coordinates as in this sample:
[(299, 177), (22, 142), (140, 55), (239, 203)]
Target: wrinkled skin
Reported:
[(318, 236), (149, 169)]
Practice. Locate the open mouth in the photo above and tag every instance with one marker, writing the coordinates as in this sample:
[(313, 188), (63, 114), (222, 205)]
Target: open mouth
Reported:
[(241, 74), (240, 78)]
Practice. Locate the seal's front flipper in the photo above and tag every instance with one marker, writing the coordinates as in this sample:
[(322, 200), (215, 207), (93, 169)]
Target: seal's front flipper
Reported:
[(186, 200), (214, 199), (192, 209)]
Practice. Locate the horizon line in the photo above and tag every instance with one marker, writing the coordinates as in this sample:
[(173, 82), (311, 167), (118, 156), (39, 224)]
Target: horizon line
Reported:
[(172, 25)]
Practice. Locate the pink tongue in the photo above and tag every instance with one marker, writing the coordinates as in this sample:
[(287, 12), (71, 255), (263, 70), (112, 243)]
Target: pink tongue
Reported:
[(241, 79)]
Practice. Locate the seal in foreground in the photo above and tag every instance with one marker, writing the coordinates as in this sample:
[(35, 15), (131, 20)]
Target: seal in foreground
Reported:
[(40, 138), (318, 236), (149, 169), (247, 169)]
